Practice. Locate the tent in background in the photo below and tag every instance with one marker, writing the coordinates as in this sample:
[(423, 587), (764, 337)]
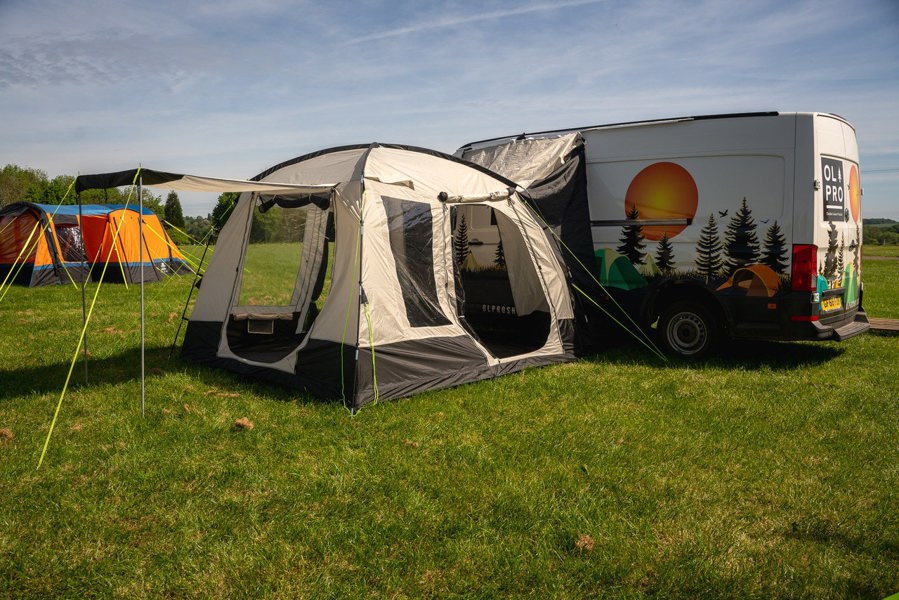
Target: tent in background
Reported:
[(38, 247), (99, 224), (42, 244)]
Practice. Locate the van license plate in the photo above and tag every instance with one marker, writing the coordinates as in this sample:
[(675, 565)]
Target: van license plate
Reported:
[(829, 304)]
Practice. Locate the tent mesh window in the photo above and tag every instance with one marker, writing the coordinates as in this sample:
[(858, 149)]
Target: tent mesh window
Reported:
[(283, 282), (70, 242), (411, 231)]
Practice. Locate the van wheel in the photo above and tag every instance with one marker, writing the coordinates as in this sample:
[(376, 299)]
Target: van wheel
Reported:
[(686, 330)]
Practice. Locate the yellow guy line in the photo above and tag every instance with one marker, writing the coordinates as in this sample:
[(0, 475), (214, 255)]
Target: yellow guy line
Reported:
[(87, 320)]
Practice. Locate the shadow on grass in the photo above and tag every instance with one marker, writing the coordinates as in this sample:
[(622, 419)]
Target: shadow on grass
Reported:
[(125, 367), (730, 354)]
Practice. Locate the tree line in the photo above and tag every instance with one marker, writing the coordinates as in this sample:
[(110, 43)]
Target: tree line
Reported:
[(22, 184), (881, 231)]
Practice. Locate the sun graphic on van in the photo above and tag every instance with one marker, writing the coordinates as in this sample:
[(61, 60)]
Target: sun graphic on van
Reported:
[(855, 194), (663, 190)]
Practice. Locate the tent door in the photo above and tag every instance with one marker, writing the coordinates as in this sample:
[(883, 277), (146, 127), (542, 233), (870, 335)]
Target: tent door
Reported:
[(283, 282), (495, 272)]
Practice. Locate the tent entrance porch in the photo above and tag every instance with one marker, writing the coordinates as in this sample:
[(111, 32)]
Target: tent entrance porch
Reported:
[(283, 284), (493, 272)]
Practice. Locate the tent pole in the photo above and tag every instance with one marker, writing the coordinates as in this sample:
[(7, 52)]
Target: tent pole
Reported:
[(140, 221), (83, 282)]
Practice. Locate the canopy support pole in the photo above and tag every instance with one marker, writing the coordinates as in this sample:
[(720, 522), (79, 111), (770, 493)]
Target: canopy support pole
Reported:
[(140, 221), (84, 278)]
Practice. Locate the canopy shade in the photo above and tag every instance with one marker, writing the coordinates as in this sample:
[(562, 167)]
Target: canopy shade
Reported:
[(192, 183)]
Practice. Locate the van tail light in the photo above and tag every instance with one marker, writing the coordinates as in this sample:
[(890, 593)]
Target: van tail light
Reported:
[(803, 272)]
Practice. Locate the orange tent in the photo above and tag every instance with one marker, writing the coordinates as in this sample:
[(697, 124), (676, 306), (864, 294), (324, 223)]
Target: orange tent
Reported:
[(42, 244), (38, 247)]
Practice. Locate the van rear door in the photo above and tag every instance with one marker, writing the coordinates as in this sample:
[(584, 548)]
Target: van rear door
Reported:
[(838, 226)]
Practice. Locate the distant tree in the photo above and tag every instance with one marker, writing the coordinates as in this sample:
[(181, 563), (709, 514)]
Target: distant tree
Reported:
[(741, 244), (58, 190), (197, 228), (665, 255), (292, 227), (708, 250), (265, 226), (499, 259), (461, 249), (775, 250), (15, 183), (223, 209), (632, 241), (173, 213)]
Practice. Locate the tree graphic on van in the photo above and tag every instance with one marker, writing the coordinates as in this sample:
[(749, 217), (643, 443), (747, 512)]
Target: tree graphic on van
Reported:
[(708, 250), (774, 254), (829, 270), (632, 241), (665, 255), (741, 244)]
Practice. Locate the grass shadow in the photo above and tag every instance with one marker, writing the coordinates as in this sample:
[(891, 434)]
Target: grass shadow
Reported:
[(730, 354), (125, 367)]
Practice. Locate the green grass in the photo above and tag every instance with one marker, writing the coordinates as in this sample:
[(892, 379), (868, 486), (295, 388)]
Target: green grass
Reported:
[(881, 280), (770, 471), (875, 250)]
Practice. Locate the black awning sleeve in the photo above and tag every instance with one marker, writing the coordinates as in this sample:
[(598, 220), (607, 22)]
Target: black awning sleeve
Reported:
[(102, 181)]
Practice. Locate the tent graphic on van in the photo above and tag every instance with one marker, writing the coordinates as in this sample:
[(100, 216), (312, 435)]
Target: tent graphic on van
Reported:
[(754, 280), (615, 270)]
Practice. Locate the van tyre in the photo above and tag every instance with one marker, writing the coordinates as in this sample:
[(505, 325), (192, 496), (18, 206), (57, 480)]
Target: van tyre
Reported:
[(686, 330)]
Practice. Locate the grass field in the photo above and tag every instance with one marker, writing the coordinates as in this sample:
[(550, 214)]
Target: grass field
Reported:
[(770, 471)]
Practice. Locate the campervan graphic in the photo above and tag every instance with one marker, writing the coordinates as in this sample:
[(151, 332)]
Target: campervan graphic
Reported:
[(705, 228)]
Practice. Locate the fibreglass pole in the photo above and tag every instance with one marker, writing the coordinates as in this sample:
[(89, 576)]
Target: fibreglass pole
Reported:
[(140, 221), (84, 273)]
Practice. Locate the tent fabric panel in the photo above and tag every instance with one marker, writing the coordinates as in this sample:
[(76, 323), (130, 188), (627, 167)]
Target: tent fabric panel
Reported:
[(527, 291), (528, 160), (340, 165), (414, 366), (217, 287), (323, 368), (94, 234), (19, 230), (431, 174), (122, 178), (313, 262), (338, 320), (384, 318)]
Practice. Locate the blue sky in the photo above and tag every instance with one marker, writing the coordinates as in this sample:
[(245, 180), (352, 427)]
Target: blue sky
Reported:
[(230, 88)]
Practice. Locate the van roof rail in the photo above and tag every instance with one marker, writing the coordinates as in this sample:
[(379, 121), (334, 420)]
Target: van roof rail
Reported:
[(521, 136)]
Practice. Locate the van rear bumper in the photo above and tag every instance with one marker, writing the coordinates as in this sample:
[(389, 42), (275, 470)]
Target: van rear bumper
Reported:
[(848, 330), (836, 330)]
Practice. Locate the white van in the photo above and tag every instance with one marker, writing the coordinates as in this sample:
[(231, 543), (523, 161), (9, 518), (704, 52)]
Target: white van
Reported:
[(747, 225)]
